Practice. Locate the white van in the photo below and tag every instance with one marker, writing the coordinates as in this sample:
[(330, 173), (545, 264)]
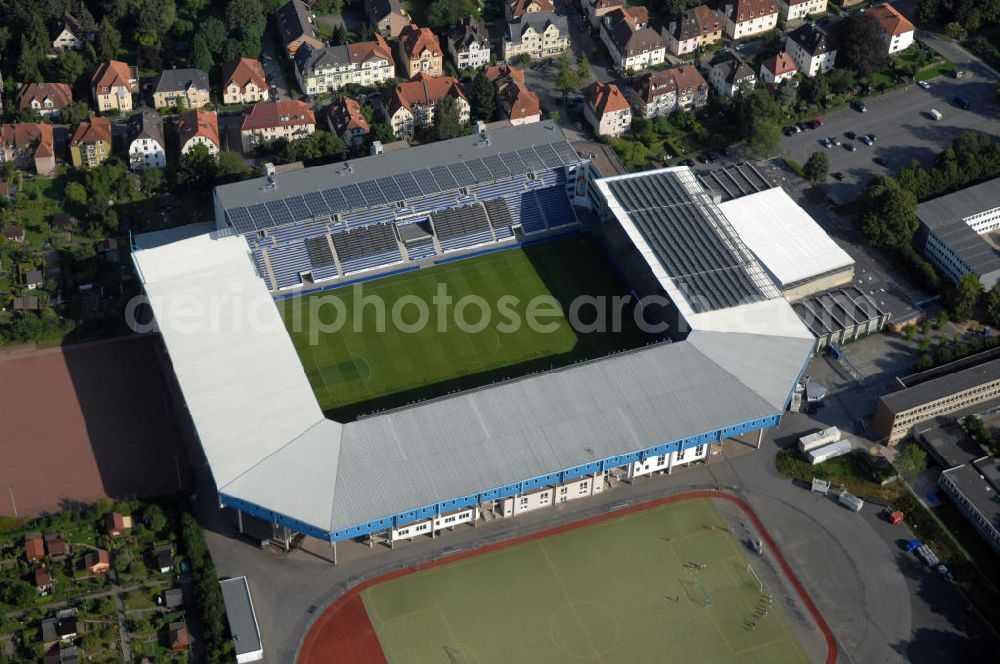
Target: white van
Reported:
[(935, 114)]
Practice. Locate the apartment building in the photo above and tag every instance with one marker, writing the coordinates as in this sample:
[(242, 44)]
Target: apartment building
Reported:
[(328, 69)]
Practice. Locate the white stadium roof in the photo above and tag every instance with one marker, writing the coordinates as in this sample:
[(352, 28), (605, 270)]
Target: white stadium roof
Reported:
[(269, 445), (783, 236)]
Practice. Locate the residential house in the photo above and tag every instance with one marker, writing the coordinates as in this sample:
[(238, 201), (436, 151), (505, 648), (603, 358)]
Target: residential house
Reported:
[(388, 17), (680, 88), (63, 221), (469, 44), (28, 144), (13, 234), (244, 82), (43, 580), (777, 68), (173, 598), (692, 29), (295, 25), (596, 9), (164, 561), (177, 636), (514, 100), (56, 547), (270, 120), (632, 44), (144, 138), (112, 85), (91, 143), (68, 35), (46, 99), (96, 562), (729, 73), (348, 122), (327, 69), (181, 87), (28, 303), (419, 52), (410, 105), (897, 31), (794, 10), (34, 547), (606, 109), (199, 127), (117, 524), (33, 280), (811, 49), (537, 35), (748, 18), (515, 9)]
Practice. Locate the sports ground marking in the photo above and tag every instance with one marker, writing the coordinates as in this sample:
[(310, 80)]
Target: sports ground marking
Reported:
[(312, 641)]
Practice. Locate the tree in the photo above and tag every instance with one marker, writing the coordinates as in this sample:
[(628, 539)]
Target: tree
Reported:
[(76, 196), (231, 167), (213, 31), (337, 39), (154, 518), (109, 40), (67, 68), (861, 46), (817, 167), (757, 117), (382, 132), (445, 13), (993, 306), (201, 56), (484, 98), (841, 81), (78, 111), (151, 180), (583, 67), (198, 167), (890, 218), (156, 17), (910, 460), (245, 19), (447, 122), (964, 296), (567, 80)]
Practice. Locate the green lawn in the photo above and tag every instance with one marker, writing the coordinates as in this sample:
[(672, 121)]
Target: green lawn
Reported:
[(359, 368), (618, 591)]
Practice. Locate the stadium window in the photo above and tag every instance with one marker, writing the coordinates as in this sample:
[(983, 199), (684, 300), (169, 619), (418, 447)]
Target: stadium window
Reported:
[(524, 501), (563, 489), (531, 176), (262, 234), (680, 455), (463, 191)]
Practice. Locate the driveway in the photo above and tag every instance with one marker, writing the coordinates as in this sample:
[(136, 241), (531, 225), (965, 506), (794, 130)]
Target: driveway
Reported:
[(272, 66)]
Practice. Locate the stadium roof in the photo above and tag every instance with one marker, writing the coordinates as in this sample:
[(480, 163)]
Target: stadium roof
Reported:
[(422, 170), (269, 446), (786, 240)]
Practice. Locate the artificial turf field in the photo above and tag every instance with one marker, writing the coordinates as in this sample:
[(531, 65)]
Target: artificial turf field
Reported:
[(617, 591), (352, 371)]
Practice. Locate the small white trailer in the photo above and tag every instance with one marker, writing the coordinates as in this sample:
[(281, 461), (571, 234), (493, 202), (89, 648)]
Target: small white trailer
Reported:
[(850, 501), (827, 452), (819, 439)]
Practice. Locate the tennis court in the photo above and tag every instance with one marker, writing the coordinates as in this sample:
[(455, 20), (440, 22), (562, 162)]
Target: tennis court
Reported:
[(354, 360), (669, 583)]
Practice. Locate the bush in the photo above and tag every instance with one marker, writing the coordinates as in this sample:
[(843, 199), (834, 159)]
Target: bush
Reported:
[(212, 610)]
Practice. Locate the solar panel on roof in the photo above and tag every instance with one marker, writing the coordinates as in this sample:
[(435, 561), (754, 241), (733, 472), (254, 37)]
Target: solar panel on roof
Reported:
[(390, 189), (407, 185), (240, 220), (496, 166), (530, 159), (548, 156), (335, 200), (463, 176), (425, 179), (514, 163), (566, 153), (443, 178), (279, 212), (316, 204), (373, 194), (260, 216), (352, 197), (297, 206), (479, 170)]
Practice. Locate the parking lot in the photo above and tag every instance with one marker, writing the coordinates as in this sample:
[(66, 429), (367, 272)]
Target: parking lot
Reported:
[(904, 129)]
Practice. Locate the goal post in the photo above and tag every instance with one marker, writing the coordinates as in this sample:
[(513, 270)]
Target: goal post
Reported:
[(760, 582)]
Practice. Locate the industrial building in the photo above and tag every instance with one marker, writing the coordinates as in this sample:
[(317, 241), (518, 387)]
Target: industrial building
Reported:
[(736, 354), (973, 487), (957, 232), (841, 315)]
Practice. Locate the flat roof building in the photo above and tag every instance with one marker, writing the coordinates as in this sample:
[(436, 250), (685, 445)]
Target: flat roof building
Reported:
[(958, 232), (242, 620), (974, 487)]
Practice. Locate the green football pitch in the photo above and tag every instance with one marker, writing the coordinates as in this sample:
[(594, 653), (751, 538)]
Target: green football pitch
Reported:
[(624, 590), (354, 364)]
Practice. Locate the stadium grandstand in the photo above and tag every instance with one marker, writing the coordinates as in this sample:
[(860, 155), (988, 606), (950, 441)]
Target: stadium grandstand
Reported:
[(737, 350), (392, 211)]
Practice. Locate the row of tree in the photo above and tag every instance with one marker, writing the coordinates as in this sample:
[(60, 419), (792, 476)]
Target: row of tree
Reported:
[(211, 607)]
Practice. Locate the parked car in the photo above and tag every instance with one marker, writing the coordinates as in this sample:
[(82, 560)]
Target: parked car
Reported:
[(803, 126), (934, 114), (924, 84), (838, 176), (867, 141), (859, 106), (963, 102), (879, 160), (850, 134), (687, 162), (959, 73), (945, 573), (827, 142), (872, 137), (819, 122), (850, 147)]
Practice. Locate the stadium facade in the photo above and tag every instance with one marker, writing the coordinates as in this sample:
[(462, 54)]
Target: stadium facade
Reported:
[(737, 353)]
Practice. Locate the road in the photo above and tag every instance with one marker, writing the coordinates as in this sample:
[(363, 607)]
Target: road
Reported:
[(272, 66), (905, 132)]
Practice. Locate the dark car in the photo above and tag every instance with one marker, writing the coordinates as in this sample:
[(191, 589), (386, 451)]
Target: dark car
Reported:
[(711, 158), (859, 106), (838, 176), (850, 147), (963, 102), (850, 134), (879, 160), (687, 162)]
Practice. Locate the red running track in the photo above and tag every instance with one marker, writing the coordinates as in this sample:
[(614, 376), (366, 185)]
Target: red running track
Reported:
[(343, 633)]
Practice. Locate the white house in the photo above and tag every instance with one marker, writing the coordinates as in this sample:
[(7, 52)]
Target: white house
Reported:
[(537, 34), (632, 44), (749, 18), (146, 147), (794, 10), (469, 44), (327, 69), (777, 68), (607, 110), (896, 29), (811, 50), (729, 73)]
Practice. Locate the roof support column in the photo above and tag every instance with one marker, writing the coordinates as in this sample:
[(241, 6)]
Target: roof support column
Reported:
[(760, 437)]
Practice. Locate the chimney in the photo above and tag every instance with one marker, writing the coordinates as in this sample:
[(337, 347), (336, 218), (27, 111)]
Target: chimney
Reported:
[(376, 148), (269, 169), (480, 127)]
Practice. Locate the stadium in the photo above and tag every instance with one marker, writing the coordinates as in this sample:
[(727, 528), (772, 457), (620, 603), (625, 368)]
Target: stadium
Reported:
[(728, 365)]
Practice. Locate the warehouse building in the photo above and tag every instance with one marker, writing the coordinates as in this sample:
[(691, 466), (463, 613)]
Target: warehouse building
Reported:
[(841, 315), (958, 232)]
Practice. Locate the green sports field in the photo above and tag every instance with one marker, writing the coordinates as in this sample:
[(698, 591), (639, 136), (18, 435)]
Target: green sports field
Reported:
[(354, 365), (619, 591)]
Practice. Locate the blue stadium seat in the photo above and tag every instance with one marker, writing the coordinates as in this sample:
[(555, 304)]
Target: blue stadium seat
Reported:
[(466, 241), (420, 250), (325, 272), (258, 261), (288, 262), (371, 262), (530, 214), (558, 211)]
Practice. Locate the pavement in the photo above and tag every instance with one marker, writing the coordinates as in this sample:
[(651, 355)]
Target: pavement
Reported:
[(272, 66)]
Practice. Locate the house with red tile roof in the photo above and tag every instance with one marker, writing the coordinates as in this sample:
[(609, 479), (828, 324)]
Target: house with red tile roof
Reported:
[(270, 120), (46, 99), (34, 547), (680, 88), (695, 27), (596, 9), (28, 144), (777, 68), (632, 44), (43, 580), (244, 82), (515, 9), (794, 10), (328, 69), (897, 31), (410, 105), (91, 143), (348, 122), (606, 109), (514, 100), (748, 18), (112, 85), (419, 52), (199, 127)]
